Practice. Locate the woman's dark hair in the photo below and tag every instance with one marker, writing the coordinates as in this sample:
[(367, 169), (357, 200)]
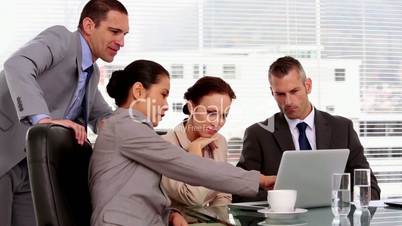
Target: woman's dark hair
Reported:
[(205, 86), (144, 71)]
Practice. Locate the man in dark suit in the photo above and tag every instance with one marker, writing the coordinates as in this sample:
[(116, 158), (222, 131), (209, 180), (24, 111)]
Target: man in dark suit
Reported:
[(299, 126)]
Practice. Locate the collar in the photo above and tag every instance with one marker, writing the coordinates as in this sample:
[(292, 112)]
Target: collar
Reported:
[(180, 132), (135, 115), (86, 54), (309, 120)]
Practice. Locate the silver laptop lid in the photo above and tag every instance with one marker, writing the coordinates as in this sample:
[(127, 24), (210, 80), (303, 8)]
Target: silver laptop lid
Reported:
[(310, 173)]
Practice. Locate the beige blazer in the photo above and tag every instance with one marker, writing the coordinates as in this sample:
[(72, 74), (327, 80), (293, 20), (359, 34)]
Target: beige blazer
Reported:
[(189, 195), (127, 164)]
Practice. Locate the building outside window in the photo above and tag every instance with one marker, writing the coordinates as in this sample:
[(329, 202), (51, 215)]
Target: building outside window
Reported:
[(204, 70), (330, 38), (196, 71), (229, 71), (340, 74), (177, 107), (177, 71)]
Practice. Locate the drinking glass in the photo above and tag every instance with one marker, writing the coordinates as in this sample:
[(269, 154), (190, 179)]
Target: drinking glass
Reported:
[(361, 188), (361, 217), (341, 221), (340, 200)]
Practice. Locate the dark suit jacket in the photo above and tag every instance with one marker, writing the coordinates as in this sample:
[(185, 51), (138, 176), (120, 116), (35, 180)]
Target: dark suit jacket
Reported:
[(262, 149)]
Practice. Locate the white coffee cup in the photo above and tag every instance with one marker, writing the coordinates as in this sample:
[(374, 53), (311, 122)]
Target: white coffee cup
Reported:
[(282, 200)]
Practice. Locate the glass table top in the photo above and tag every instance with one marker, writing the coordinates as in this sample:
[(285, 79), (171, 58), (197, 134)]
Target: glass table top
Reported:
[(224, 215)]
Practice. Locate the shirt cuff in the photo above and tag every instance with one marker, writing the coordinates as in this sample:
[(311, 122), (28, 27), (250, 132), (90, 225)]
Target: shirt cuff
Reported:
[(34, 119)]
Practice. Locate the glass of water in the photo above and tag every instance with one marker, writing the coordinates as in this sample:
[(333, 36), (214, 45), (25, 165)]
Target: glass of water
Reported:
[(361, 217), (361, 188), (340, 200)]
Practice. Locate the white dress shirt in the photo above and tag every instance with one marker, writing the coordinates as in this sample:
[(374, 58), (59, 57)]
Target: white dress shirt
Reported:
[(310, 130)]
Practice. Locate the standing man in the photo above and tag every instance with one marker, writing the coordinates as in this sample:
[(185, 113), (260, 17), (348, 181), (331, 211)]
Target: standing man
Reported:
[(299, 126), (53, 79)]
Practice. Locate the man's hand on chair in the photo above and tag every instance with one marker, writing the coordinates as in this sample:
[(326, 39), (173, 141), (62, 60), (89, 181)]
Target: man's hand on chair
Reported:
[(79, 130)]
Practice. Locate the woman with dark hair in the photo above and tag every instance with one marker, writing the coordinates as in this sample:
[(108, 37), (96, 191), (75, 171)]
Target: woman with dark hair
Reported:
[(208, 103), (129, 157)]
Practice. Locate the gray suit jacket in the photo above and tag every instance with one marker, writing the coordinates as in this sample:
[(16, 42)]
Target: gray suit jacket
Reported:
[(263, 149), (126, 166), (40, 78)]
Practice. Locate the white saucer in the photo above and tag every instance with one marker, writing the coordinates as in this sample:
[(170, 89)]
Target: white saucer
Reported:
[(283, 215), (268, 223)]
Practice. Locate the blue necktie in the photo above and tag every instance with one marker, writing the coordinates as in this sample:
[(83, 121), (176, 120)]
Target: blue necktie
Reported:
[(85, 115), (303, 141)]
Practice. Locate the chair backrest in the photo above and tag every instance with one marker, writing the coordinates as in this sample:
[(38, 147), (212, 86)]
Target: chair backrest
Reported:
[(58, 170)]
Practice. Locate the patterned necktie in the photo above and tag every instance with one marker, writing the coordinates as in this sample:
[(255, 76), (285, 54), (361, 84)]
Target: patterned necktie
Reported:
[(303, 141), (85, 115)]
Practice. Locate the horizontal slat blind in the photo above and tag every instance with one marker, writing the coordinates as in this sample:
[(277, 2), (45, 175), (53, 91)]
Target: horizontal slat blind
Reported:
[(238, 39)]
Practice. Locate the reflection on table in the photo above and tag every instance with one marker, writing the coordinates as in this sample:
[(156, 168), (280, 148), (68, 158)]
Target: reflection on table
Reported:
[(223, 215)]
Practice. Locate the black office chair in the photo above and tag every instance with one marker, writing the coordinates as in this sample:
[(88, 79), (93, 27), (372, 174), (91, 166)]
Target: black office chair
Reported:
[(58, 170)]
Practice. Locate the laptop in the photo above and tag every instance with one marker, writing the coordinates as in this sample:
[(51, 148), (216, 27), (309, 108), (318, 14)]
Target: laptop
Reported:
[(394, 203), (308, 172)]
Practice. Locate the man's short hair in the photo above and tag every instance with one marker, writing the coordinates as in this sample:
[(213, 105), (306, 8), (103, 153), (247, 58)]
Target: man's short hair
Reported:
[(97, 10), (282, 66)]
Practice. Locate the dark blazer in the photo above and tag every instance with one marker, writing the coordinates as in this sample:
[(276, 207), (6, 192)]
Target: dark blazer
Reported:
[(265, 142)]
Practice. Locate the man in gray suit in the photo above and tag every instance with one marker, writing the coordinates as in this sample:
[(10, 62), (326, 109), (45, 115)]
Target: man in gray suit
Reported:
[(299, 126), (53, 79)]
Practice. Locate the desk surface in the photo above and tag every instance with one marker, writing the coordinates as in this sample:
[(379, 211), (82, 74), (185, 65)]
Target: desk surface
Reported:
[(379, 216)]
